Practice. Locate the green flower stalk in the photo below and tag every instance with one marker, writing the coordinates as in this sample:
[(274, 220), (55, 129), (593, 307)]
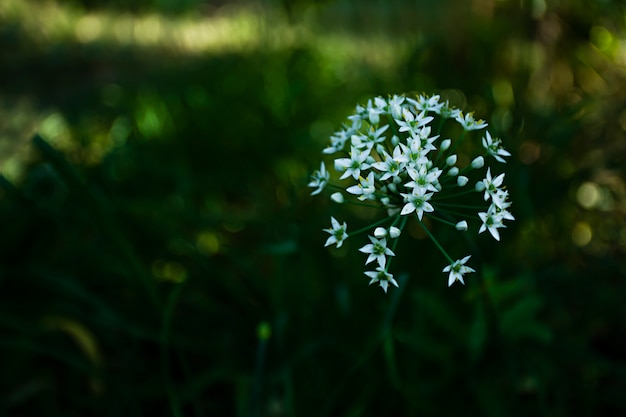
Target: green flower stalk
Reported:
[(394, 162)]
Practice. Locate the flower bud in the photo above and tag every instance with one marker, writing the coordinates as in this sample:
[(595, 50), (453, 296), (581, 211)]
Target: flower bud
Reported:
[(478, 162), (380, 232), (451, 160), (480, 186), (445, 144), (394, 232), (462, 225), (395, 140), (454, 171), (461, 181), (337, 197)]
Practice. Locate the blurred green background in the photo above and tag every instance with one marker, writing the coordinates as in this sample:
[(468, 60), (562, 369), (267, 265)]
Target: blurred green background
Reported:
[(160, 253)]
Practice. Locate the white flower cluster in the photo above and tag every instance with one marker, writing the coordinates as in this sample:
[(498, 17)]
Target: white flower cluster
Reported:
[(391, 159)]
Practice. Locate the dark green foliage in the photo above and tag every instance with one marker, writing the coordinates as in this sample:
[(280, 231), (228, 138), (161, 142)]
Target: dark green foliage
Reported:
[(160, 253)]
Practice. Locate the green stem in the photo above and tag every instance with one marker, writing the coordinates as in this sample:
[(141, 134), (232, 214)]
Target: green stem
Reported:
[(364, 229), (441, 220), (430, 235), (457, 213)]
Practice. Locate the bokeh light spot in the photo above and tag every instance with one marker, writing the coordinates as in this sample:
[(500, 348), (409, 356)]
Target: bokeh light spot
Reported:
[(601, 38), (169, 271), (208, 243), (588, 195), (529, 152), (502, 92), (88, 28), (582, 234)]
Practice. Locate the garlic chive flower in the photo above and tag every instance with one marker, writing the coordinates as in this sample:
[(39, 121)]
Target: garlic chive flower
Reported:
[(337, 233), (493, 146), (365, 189), (469, 123), (381, 276), (377, 250), (457, 269), (492, 185), (319, 179), (352, 166), (399, 155)]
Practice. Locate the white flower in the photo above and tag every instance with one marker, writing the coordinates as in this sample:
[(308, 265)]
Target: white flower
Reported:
[(377, 250), (415, 153), (426, 103), (469, 123), (417, 201), (319, 179), (382, 277), (499, 198), (494, 147), (337, 142), (393, 165), (423, 178), (492, 185), (448, 112), (353, 165), (372, 138), (395, 106), (457, 269), (365, 189), (337, 233), (411, 122), (492, 221)]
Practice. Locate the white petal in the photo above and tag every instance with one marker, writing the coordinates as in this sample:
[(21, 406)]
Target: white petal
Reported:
[(408, 208)]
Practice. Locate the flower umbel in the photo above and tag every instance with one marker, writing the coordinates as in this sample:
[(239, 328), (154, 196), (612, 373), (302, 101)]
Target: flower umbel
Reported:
[(404, 160)]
